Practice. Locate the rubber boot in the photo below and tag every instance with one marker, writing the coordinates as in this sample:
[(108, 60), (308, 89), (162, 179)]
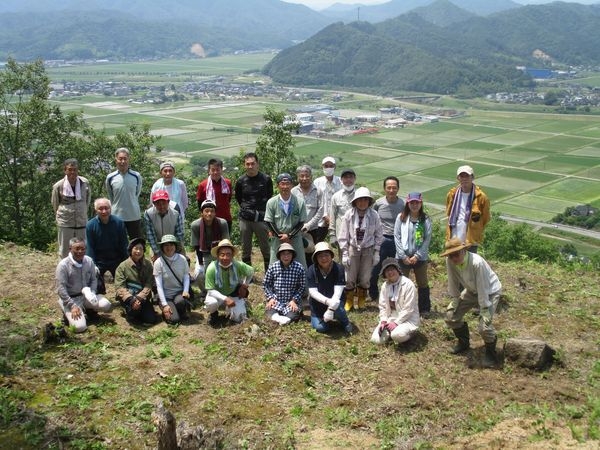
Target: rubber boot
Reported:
[(489, 358), (424, 300), (349, 300), (361, 293), (266, 263), (462, 334)]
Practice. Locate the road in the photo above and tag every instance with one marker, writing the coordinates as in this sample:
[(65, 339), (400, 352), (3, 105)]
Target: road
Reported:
[(559, 226)]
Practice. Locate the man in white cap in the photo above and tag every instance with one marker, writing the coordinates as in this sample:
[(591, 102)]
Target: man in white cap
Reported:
[(328, 184), (340, 203), (471, 283), (467, 210)]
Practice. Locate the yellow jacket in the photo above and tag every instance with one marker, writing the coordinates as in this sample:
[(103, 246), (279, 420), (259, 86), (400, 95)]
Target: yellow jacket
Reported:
[(478, 219)]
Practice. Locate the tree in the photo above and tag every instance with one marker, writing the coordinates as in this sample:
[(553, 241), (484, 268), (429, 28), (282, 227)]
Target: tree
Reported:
[(275, 143), (36, 137)]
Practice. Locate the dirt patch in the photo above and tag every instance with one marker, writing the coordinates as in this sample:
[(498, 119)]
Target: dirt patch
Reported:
[(273, 387)]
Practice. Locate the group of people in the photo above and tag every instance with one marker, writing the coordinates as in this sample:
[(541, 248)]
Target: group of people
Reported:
[(299, 230)]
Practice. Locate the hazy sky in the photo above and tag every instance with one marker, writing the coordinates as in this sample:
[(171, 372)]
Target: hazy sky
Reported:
[(322, 4)]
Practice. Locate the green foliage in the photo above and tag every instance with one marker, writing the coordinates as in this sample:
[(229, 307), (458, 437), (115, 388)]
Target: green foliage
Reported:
[(572, 215), (507, 242), (274, 146), (35, 139)]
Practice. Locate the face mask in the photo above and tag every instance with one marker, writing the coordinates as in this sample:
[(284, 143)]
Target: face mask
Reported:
[(227, 266), (328, 171), (348, 188)]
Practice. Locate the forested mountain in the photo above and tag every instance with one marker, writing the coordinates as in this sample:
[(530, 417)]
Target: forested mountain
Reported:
[(410, 53), (393, 8), (63, 29), (443, 13)]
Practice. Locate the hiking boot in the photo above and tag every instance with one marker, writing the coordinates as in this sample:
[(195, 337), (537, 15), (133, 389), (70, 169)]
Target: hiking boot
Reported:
[(424, 300), (462, 334), (490, 358)]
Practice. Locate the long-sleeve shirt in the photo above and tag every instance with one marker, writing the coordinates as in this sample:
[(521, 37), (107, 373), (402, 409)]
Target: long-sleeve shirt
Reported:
[(132, 280), (328, 188), (252, 193), (476, 276), (313, 202), (173, 281), (222, 199), (177, 192), (106, 243), (398, 302), (407, 239), (69, 211), (70, 280), (373, 236), (340, 203), (123, 191), (284, 284), (157, 226)]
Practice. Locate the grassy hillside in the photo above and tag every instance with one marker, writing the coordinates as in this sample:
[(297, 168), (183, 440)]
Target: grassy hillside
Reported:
[(270, 387)]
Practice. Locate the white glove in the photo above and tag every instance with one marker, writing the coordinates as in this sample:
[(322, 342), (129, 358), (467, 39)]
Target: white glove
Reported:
[(346, 261), (328, 316), (198, 270), (333, 304), (88, 294), (375, 258)]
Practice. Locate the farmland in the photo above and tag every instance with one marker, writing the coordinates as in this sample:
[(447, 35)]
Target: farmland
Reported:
[(531, 164)]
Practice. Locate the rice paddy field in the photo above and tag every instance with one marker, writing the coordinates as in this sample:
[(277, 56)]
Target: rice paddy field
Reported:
[(531, 165)]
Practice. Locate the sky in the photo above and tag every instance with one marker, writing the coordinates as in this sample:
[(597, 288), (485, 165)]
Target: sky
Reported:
[(322, 4)]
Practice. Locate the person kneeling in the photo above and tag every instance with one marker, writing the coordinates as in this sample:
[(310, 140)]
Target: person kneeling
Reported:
[(134, 282), (227, 283), (398, 306), (284, 286), (76, 285), (171, 273), (326, 282)]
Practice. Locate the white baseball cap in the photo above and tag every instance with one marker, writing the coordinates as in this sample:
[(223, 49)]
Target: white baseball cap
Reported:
[(327, 159)]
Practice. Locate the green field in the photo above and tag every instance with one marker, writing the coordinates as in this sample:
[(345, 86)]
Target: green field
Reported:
[(531, 165)]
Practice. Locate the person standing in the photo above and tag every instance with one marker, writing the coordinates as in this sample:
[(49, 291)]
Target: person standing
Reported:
[(285, 216), (71, 198), (160, 220), (124, 187), (387, 207), (398, 311), (341, 202), (216, 188), (360, 238), (326, 282), (106, 238), (174, 187), (412, 233), (207, 232), (328, 184), (313, 202), (467, 210), (76, 283), (252, 191), (471, 283), (284, 286)]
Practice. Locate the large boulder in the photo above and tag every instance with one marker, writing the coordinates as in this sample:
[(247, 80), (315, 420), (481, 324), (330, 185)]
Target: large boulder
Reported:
[(530, 353)]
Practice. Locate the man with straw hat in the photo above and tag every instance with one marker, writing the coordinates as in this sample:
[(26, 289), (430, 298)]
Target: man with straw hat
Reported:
[(480, 287), (227, 283)]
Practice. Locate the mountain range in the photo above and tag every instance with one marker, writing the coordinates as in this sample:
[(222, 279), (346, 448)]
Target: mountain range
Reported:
[(440, 46)]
